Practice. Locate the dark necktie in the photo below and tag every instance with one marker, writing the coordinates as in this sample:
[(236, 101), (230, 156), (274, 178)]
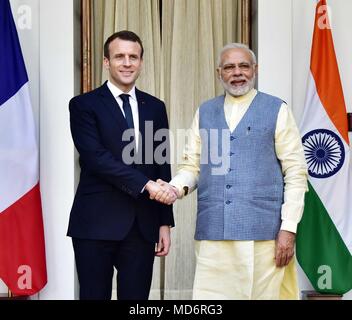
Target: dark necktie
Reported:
[(127, 109)]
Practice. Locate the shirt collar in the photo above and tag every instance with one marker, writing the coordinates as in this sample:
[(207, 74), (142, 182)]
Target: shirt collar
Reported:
[(117, 91)]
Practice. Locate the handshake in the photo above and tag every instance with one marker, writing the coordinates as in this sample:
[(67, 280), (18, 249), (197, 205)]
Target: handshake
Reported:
[(162, 191)]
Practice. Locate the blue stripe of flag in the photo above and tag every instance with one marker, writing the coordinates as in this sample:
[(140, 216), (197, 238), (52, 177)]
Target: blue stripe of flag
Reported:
[(13, 74)]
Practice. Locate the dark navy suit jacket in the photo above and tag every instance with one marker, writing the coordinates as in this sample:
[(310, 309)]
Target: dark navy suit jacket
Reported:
[(108, 197)]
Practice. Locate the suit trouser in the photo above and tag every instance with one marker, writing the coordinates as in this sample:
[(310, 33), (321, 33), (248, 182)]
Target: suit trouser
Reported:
[(133, 258), (242, 270)]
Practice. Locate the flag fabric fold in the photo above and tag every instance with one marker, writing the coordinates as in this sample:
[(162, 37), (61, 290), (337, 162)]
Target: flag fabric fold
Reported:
[(22, 249), (324, 236)]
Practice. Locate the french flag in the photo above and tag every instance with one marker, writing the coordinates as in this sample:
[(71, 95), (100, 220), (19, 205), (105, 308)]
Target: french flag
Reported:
[(22, 249)]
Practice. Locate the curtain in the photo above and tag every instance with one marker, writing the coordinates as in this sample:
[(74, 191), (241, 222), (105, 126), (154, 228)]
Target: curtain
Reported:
[(182, 40), (193, 33), (139, 16)]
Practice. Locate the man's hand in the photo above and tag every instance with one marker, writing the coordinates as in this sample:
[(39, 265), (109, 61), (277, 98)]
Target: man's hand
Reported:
[(168, 194), (163, 246), (284, 249), (153, 188), (161, 191)]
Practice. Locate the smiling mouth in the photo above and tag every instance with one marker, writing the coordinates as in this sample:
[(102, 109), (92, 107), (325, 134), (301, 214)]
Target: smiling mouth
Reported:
[(126, 73), (238, 83)]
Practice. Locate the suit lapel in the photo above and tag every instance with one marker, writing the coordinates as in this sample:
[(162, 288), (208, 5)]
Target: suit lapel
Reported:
[(111, 103), (142, 112)]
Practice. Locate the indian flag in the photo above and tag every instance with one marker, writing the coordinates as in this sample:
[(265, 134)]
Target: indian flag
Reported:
[(324, 236)]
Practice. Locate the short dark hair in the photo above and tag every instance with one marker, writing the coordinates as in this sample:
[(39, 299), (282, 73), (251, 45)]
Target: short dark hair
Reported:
[(123, 35)]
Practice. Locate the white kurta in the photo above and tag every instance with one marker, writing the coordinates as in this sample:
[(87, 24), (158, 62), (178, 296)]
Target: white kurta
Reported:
[(246, 269), (242, 270)]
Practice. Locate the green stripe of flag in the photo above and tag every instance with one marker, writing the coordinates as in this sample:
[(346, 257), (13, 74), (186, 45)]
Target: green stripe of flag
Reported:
[(321, 252)]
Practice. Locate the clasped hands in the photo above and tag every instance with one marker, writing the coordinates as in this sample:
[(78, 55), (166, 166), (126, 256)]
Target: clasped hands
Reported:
[(162, 191)]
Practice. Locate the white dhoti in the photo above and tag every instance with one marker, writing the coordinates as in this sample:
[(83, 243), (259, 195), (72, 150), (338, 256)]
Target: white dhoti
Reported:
[(242, 270)]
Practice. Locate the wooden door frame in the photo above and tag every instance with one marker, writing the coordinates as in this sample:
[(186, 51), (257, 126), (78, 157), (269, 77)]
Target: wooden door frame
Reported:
[(247, 22), (86, 46)]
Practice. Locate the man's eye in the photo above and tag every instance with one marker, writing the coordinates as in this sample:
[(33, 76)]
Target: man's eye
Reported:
[(229, 67), (244, 66)]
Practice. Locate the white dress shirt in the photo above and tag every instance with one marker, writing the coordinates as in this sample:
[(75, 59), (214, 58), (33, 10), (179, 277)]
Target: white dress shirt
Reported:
[(134, 106)]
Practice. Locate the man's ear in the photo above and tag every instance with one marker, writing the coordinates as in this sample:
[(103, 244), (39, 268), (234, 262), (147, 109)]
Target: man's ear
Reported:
[(256, 69), (106, 63), (218, 73)]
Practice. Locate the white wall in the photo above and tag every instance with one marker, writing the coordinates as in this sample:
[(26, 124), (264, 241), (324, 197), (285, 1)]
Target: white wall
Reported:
[(275, 48), (285, 29), (57, 87), (50, 48)]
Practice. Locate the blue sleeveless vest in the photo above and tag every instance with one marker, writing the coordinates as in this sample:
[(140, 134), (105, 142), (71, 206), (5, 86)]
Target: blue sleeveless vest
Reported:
[(240, 189)]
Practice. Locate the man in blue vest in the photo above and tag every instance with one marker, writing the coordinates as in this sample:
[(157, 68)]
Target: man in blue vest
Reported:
[(249, 205)]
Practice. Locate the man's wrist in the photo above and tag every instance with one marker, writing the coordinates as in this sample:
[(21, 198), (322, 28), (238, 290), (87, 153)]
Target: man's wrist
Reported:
[(181, 190), (290, 226)]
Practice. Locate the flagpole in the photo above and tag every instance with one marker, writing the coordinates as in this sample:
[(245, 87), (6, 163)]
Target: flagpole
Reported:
[(11, 296)]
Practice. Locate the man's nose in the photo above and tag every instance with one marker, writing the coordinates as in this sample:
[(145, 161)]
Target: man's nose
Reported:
[(237, 71), (126, 61)]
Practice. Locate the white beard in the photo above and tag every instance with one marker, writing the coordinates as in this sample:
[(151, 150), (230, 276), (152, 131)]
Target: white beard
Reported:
[(240, 91)]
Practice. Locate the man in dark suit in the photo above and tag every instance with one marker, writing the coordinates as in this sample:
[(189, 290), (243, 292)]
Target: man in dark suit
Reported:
[(113, 222)]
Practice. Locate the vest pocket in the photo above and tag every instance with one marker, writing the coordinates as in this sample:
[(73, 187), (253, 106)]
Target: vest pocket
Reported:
[(266, 198)]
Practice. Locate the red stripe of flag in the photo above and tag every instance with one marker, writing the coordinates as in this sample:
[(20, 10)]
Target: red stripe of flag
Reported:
[(22, 249)]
